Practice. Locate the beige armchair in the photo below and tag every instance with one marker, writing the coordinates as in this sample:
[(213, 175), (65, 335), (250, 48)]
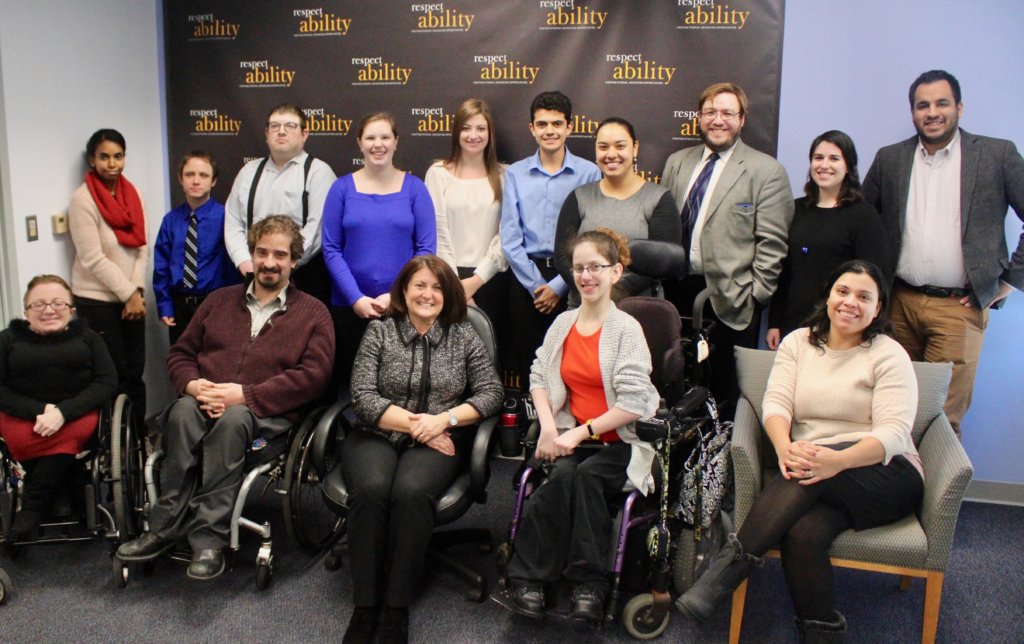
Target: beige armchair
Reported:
[(916, 546)]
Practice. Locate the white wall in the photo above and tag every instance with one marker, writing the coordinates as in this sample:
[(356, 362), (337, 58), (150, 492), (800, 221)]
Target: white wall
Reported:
[(68, 70), (848, 66)]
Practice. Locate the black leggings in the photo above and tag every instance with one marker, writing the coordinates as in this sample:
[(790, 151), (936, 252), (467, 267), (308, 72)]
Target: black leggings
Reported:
[(804, 520)]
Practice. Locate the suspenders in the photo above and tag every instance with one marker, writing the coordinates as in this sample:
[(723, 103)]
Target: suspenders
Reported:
[(256, 181)]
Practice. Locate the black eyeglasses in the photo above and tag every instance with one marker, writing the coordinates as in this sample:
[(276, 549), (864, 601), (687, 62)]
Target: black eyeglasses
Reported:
[(56, 305), (594, 269)]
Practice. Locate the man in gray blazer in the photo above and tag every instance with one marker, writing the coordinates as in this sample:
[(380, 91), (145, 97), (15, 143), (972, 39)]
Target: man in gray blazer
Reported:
[(736, 206), (943, 196)]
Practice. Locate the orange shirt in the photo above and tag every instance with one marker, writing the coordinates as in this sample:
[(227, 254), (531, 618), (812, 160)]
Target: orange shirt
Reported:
[(581, 373)]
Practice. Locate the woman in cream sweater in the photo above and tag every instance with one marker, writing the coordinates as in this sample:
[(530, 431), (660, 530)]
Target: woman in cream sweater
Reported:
[(107, 221), (839, 409)]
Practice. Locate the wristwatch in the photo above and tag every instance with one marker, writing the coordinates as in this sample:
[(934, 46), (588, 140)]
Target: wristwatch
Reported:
[(453, 420)]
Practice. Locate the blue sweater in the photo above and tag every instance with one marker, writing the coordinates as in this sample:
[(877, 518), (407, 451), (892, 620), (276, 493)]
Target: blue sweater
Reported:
[(367, 238)]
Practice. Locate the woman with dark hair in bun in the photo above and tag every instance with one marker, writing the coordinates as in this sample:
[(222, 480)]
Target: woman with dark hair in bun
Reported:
[(107, 221)]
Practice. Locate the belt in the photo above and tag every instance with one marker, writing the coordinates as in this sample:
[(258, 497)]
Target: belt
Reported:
[(935, 291), (190, 300), (548, 262)]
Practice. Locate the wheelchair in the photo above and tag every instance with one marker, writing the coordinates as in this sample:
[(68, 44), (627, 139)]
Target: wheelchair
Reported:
[(279, 466), (109, 472)]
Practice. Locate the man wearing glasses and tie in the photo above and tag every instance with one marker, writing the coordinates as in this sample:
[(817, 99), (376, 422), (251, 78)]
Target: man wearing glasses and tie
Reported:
[(736, 206), (286, 182)]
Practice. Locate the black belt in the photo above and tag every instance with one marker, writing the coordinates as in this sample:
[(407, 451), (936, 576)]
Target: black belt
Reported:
[(935, 291), (548, 262), (190, 300)]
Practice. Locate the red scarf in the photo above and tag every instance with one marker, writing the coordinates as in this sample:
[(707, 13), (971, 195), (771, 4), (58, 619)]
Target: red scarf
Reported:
[(122, 210)]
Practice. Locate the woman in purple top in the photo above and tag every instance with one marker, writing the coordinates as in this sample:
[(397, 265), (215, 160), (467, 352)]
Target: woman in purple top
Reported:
[(374, 221)]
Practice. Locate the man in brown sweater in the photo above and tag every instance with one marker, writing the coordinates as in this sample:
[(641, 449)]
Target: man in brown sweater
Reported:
[(252, 357)]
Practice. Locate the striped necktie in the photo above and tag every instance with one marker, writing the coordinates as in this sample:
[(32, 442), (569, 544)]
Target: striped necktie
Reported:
[(691, 208), (191, 251)]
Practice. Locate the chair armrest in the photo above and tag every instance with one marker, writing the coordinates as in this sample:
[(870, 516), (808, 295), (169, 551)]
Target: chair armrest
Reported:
[(328, 434), (947, 471), (746, 458), (479, 459)]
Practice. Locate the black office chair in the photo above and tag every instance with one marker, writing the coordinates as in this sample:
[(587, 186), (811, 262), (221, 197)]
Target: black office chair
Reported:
[(470, 487)]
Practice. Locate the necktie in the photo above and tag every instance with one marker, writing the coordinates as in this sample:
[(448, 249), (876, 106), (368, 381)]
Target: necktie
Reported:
[(191, 251), (691, 208)]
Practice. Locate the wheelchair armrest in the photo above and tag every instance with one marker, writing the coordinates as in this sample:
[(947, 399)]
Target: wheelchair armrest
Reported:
[(947, 471), (330, 430), (746, 458), (479, 459), (532, 434)]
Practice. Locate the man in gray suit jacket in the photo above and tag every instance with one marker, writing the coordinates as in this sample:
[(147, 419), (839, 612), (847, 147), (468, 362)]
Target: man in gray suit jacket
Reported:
[(943, 196), (736, 206)]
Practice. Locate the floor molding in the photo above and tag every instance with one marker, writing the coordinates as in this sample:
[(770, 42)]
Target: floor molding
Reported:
[(995, 492)]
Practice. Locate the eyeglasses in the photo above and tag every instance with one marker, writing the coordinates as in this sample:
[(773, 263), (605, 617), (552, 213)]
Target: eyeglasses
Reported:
[(56, 305), (290, 126), (593, 269), (725, 114)]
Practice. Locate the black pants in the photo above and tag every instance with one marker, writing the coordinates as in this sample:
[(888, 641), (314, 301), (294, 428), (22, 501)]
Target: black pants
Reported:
[(348, 333), (126, 342), (185, 307), (392, 494), (527, 327), (805, 519), (313, 279), (721, 371), (567, 527), (202, 470), (492, 298)]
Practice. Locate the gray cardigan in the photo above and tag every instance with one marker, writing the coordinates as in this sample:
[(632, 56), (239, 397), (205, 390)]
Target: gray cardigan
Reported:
[(625, 372), (429, 373)]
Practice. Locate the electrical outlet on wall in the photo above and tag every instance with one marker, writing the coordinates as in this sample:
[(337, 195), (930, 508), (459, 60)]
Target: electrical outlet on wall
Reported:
[(32, 227)]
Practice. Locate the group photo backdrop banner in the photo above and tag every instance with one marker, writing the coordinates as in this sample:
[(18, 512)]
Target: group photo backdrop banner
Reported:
[(229, 62)]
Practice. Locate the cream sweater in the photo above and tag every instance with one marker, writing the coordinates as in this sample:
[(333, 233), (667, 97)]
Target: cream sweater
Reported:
[(103, 269), (844, 396)]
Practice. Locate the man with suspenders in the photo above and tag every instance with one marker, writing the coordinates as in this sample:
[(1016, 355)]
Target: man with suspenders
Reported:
[(287, 182)]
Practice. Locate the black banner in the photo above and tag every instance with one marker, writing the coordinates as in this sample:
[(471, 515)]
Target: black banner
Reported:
[(230, 61)]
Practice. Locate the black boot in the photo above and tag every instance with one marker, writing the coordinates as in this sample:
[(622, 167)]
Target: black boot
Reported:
[(362, 625), (43, 477), (394, 626), (815, 632), (730, 567)]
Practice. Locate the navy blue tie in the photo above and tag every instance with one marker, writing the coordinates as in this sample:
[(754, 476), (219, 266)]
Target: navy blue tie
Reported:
[(691, 208)]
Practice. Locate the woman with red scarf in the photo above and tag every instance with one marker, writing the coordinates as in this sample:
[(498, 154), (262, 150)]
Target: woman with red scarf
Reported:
[(108, 277)]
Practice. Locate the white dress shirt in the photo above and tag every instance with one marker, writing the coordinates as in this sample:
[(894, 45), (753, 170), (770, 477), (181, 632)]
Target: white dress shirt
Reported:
[(932, 251), (696, 257)]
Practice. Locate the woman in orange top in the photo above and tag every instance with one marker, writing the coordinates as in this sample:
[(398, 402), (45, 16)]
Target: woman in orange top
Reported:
[(591, 379)]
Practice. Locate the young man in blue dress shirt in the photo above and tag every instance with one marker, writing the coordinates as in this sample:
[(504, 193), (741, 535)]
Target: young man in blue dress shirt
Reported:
[(535, 188), (179, 294)]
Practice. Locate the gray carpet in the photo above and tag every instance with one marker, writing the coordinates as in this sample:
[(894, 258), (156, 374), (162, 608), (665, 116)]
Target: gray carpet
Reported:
[(66, 593)]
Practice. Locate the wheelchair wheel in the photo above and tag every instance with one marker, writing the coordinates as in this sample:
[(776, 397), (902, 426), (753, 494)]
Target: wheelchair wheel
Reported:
[(6, 587), (127, 459), (309, 521), (692, 558), (121, 571), (636, 618), (264, 575)]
